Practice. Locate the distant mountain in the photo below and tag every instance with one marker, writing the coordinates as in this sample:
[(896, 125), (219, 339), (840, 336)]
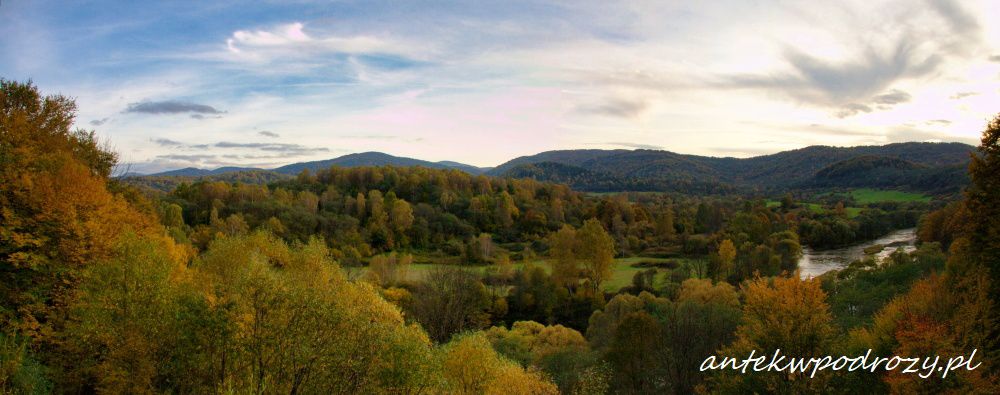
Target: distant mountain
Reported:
[(357, 160), (196, 172), (185, 172), (568, 157), (350, 160), (928, 167)]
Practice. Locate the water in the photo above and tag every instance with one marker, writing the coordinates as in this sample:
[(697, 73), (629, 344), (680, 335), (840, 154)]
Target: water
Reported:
[(816, 262)]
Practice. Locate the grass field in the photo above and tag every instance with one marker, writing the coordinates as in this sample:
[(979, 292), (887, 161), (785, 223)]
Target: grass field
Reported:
[(866, 196), (621, 275)]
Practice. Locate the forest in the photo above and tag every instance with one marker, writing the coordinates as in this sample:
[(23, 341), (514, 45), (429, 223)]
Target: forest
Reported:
[(432, 280)]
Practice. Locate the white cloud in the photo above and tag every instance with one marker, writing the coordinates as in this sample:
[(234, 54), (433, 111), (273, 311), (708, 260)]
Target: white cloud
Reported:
[(291, 41)]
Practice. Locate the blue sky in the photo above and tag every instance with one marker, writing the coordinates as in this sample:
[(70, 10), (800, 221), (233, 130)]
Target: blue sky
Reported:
[(208, 84)]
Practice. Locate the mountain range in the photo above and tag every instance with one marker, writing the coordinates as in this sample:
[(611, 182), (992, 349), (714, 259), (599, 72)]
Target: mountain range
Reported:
[(936, 168), (350, 160)]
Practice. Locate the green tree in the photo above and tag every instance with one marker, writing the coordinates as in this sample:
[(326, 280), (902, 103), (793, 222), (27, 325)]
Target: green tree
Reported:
[(562, 250), (596, 251), (983, 199)]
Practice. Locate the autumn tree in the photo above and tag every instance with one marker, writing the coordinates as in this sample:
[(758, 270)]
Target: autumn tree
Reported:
[(562, 250), (56, 213), (727, 256), (780, 313), (471, 366)]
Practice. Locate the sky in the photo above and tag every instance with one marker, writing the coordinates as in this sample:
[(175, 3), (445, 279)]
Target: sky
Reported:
[(208, 84)]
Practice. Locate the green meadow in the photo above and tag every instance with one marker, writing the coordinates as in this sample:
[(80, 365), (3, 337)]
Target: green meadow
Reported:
[(867, 196), (621, 276)]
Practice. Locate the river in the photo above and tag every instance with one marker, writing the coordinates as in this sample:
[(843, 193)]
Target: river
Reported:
[(816, 262)]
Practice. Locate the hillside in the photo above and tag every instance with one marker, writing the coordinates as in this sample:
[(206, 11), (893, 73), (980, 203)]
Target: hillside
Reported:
[(350, 160), (936, 168), (166, 182), (358, 160), (929, 167)]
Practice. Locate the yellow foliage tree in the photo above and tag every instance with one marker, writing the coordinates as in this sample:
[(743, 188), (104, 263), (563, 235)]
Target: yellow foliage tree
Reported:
[(56, 213), (471, 366)]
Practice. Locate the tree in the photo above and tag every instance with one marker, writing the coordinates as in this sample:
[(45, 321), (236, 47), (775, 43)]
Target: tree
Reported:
[(596, 251), (665, 224), (57, 215), (389, 270), (471, 366), (983, 199), (297, 325), (562, 250), (449, 301), (727, 256), (120, 335), (636, 368), (783, 313), (787, 202), (401, 216), (528, 342)]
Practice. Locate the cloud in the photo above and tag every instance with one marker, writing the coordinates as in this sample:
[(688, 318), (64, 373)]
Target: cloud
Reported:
[(167, 142), (284, 149), (617, 107), (909, 53), (882, 102), (277, 150), (994, 58), (99, 122), (852, 110), (203, 116), (268, 133), (964, 26), (961, 95), (831, 131), (894, 96), (187, 158), (831, 82), (290, 40), (171, 107), (942, 122)]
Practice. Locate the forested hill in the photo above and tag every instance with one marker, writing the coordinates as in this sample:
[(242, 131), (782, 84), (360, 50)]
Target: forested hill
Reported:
[(373, 159), (928, 167), (935, 168), (350, 160)]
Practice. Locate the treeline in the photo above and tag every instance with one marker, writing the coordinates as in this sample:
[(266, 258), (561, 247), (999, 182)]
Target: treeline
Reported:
[(835, 228), (169, 183)]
